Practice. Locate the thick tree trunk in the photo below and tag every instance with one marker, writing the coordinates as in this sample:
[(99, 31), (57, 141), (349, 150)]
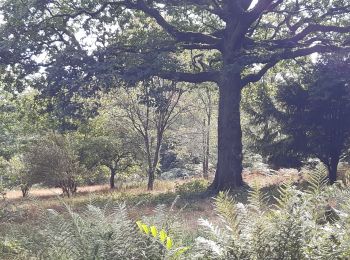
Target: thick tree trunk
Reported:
[(229, 168), (332, 169)]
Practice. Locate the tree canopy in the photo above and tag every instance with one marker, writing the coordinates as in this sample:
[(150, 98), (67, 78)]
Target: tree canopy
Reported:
[(82, 46)]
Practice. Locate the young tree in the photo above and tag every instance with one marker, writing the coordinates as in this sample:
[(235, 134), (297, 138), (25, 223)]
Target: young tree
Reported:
[(309, 116), (107, 151), (234, 42), (151, 108), (207, 98), (18, 172)]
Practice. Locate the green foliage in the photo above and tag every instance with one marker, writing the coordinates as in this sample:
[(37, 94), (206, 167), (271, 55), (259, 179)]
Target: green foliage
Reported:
[(312, 223), (192, 187), (8, 248), (302, 225), (107, 151), (19, 174), (21, 120), (53, 162), (160, 237), (307, 117), (5, 180), (96, 233)]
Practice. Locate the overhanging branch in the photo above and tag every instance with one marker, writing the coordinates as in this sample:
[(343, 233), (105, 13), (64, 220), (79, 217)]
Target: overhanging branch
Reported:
[(200, 77), (251, 78), (274, 59), (180, 36), (313, 28), (291, 54)]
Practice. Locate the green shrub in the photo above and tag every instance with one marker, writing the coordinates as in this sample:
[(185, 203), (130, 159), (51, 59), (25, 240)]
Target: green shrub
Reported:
[(192, 187), (8, 248), (53, 162)]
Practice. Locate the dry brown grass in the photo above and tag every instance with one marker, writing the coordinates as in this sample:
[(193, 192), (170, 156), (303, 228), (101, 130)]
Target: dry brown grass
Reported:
[(53, 192), (190, 210), (139, 188)]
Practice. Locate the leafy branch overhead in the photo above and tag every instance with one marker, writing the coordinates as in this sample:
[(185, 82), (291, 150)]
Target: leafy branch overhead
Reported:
[(141, 33)]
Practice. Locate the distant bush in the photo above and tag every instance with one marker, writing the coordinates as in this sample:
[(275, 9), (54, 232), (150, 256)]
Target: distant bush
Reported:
[(192, 187), (5, 180), (19, 174), (53, 162), (8, 248)]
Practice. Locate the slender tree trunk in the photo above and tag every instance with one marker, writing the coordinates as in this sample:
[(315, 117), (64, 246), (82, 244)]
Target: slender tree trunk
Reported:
[(112, 179), (151, 177), (25, 190), (153, 166), (205, 144), (333, 169), (208, 142), (229, 168)]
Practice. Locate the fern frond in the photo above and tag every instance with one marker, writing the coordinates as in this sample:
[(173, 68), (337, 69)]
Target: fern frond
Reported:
[(258, 201), (226, 207), (285, 194), (317, 181)]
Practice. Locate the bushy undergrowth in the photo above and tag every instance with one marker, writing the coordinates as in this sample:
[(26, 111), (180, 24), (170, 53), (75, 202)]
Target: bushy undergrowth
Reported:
[(95, 233), (313, 223), (309, 224), (192, 187)]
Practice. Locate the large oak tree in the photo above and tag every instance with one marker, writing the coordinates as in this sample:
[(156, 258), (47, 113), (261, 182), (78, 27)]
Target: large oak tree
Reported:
[(232, 43)]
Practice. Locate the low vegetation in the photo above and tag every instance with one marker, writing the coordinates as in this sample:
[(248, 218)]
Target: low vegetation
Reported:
[(298, 223)]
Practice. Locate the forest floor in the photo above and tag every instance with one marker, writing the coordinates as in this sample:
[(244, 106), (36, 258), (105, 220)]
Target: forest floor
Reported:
[(190, 205)]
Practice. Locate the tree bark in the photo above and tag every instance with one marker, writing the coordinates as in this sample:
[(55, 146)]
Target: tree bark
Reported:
[(205, 150), (333, 169), (229, 168), (151, 178), (25, 190), (112, 179), (206, 175)]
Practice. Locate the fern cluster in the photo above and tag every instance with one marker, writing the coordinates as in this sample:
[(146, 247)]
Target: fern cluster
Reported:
[(313, 223), (95, 233)]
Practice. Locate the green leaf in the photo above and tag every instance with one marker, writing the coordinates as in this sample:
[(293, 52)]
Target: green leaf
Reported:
[(162, 236), (145, 229), (154, 231), (169, 243), (139, 224), (181, 251)]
